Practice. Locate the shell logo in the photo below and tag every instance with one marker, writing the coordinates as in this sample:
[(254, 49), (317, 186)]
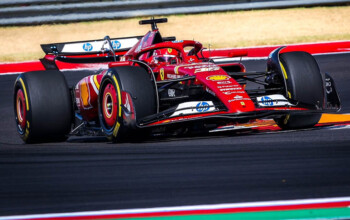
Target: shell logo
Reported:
[(218, 78)]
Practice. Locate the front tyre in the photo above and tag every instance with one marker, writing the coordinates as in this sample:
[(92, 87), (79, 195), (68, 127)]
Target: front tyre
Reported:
[(294, 121), (305, 85), (43, 106)]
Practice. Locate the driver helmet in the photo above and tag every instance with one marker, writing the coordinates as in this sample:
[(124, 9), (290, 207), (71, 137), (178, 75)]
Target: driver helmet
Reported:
[(166, 55)]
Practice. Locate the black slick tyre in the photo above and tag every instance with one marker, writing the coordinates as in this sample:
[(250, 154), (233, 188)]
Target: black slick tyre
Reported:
[(304, 85), (43, 106), (127, 94)]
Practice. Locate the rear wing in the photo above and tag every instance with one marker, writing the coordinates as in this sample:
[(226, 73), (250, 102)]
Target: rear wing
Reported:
[(89, 47)]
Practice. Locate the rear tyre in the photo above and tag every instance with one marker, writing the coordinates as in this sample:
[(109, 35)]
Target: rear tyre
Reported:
[(127, 94), (43, 106), (305, 85)]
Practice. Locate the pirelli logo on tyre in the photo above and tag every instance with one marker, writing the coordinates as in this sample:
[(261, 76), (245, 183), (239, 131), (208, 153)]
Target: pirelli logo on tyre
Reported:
[(218, 77)]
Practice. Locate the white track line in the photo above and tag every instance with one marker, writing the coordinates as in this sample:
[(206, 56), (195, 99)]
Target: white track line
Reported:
[(182, 208)]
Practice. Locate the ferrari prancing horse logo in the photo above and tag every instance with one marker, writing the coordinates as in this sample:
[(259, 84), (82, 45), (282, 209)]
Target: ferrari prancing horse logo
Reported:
[(161, 72)]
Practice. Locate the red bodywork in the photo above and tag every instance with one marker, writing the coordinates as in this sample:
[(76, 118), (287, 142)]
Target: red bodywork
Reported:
[(213, 78)]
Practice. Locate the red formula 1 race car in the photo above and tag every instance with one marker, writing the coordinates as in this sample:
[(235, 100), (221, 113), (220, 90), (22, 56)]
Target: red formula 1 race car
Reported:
[(158, 85)]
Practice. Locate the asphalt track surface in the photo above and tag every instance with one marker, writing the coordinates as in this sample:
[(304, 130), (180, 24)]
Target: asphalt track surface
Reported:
[(87, 173)]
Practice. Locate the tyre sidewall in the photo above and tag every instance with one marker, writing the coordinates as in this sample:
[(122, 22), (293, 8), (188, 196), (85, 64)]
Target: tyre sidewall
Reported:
[(136, 82), (305, 85), (49, 114), (111, 132)]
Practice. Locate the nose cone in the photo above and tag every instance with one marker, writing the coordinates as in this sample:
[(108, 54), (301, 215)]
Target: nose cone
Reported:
[(230, 93)]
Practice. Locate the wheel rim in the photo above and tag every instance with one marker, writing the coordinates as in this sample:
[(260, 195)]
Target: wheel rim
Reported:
[(21, 109), (109, 103)]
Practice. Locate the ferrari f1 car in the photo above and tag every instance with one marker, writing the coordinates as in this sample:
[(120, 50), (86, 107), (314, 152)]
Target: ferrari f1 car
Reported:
[(160, 85)]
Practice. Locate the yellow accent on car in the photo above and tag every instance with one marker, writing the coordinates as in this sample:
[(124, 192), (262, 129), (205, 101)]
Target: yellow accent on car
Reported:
[(170, 50), (96, 82), (25, 93), (284, 71), (84, 93), (116, 129), (286, 119), (119, 96), (26, 134)]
